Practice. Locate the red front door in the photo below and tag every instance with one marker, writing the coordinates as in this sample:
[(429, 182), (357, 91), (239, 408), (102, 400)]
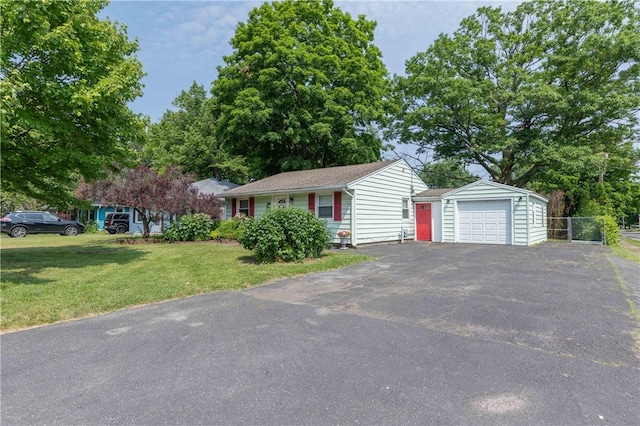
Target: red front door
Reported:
[(423, 221)]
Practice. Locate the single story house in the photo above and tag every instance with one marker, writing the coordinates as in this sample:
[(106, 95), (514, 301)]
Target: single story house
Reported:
[(214, 186), (372, 201), (97, 214), (482, 212)]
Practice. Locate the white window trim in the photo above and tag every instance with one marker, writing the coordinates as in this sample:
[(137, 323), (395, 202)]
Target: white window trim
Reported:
[(240, 209), (330, 195), (136, 216), (533, 214), (407, 209)]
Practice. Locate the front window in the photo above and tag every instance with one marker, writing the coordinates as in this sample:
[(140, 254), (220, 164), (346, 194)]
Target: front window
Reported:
[(405, 208), (136, 217), (243, 208), (325, 206)]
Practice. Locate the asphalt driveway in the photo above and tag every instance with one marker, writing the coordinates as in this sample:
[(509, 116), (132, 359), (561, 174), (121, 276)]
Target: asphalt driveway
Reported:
[(425, 334)]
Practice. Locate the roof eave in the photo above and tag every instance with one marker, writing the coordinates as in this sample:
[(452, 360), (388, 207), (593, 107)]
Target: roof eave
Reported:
[(285, 191)]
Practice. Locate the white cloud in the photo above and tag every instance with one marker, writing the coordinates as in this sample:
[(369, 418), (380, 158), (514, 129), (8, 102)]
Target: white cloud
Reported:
[(183, 41)]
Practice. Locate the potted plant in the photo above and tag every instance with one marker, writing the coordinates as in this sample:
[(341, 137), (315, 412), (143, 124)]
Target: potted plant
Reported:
[(344, 238)]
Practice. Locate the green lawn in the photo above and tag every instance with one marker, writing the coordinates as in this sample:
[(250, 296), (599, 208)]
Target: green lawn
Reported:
[(628, 248), (49, 278)]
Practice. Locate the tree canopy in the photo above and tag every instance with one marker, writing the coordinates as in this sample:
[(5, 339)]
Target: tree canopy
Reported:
[(151, 194), (546, 95), (67, 77), (304, 88), (184, 137), (446, 174)]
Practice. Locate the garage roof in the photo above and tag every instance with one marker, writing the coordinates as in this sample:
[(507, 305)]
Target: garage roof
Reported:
[(448, 192)]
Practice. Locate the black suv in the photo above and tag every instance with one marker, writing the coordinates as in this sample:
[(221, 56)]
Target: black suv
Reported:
[(20, 223), (116, 223)]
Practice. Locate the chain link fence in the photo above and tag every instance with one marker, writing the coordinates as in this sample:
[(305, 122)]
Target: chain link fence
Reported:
[(575, 229)]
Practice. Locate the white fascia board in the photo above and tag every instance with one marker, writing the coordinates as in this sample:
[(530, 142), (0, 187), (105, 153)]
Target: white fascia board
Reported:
[(357, 181), (426, 199), (497, 185)]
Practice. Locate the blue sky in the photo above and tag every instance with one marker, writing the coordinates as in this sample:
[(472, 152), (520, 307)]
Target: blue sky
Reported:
[(184, 41)]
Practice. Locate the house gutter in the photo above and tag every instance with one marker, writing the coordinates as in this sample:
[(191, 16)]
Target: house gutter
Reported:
[(354, 237)]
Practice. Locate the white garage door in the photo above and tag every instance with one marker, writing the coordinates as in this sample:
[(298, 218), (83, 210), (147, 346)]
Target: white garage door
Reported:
[(484, 222)]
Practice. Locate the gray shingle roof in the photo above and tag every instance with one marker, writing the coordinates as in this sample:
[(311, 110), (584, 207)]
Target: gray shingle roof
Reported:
[(434, 192), (316, 179), (213, 186)]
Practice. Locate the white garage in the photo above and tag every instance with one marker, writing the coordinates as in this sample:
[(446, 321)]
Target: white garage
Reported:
[(481, 213), (485, 222)]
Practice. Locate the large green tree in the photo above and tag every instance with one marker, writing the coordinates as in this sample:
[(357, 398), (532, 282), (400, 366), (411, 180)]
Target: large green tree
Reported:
[(543, 96), (446, 174), (67, 77), (184, 137), (304, 88)]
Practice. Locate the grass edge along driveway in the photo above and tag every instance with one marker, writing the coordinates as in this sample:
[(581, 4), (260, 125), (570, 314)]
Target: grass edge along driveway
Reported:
[(49, 278)]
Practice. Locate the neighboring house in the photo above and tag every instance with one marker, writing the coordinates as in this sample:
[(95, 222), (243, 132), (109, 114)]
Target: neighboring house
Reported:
[(373, 201), (205, 186), (96, 214), (482, 212), (215, 186)]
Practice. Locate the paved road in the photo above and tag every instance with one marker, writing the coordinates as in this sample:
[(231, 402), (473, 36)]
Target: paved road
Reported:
[(631, 234), (425, 334)]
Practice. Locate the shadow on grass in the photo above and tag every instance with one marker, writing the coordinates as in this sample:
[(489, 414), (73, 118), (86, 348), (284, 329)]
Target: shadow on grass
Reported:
[(20, 266), (248, 259)]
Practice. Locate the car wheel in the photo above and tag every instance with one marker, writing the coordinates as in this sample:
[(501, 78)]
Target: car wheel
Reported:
[(121, 229), (18, 232), (70, 231)]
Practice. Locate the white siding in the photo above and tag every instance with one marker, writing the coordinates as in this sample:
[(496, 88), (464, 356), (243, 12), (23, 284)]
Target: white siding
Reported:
[(301, 200), (537, 229), (523, 229), (520, 216), (379, 204), (436, 221), (448, 221)]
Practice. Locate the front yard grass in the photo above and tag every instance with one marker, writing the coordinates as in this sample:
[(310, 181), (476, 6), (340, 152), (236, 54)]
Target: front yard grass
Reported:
[(50, 278), (627, 248)]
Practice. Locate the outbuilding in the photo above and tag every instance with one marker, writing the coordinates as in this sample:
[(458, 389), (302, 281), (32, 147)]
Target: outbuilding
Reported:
[(482, 212)]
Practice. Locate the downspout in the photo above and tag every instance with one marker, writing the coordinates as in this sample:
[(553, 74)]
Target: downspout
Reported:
[(528, 221), (354, 237)]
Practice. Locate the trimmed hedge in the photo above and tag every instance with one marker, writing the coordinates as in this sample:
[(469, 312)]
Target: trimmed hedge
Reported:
[(286, 235), (231, 229), (195, 227)]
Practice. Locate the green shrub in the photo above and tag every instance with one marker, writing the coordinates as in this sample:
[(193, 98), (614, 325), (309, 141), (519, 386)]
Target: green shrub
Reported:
[(289, 235), (611, 230), (231, 229), (91, 227), (195, 227)]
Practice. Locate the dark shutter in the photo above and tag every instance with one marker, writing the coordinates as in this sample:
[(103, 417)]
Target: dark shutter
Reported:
[(252, 206), (312, 202), (234, 207), (337, 206)]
